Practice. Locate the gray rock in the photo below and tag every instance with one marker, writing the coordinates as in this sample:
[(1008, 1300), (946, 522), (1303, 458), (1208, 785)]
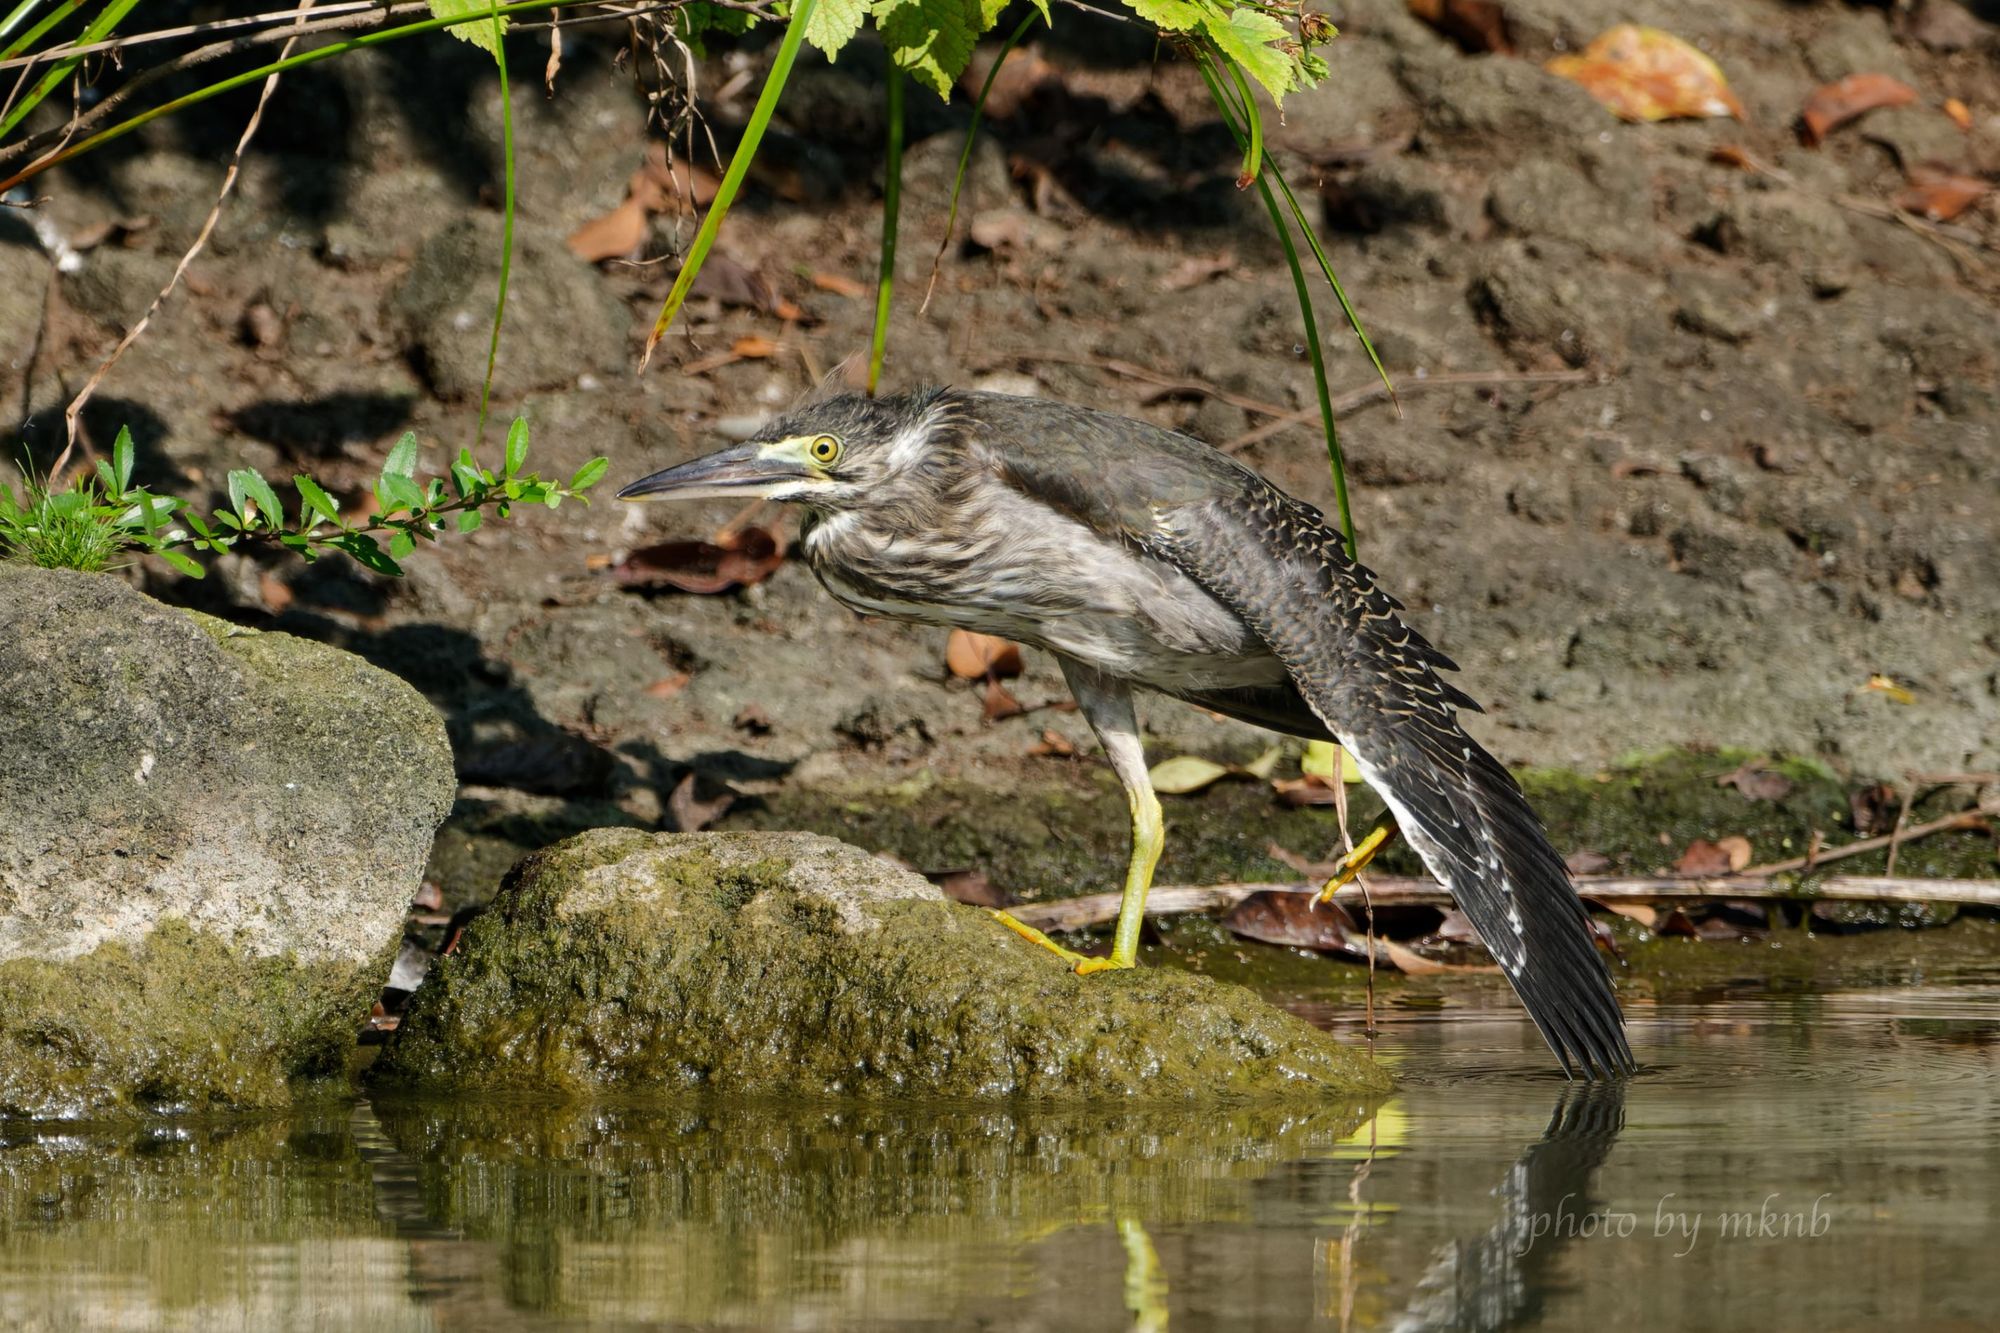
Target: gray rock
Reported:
[(1798, 232), (24, 276), (115, 286), (1473, 99), (1916, 134), (795, 964), (212, 837), (561, 320), (1541, 197)]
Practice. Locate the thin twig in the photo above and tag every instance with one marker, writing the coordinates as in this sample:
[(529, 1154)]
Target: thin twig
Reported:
[(76, 406), (1963, 819), (1407, 891), (1896, 833)]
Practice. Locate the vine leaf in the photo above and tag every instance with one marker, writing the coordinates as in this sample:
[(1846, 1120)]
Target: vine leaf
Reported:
[(1170, 15), (1246, 37), (480, 34), (834, 23), (930, 39)]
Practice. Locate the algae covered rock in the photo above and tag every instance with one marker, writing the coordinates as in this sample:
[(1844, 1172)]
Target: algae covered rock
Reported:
[(795, 964), (211, 837)]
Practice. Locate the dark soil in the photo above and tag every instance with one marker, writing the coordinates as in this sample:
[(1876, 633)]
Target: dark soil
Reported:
[(1776, 481)]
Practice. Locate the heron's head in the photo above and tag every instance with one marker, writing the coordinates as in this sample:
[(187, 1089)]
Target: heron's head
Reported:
[(829, 455)]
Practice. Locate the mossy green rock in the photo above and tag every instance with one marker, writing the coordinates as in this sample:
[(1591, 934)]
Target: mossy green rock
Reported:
[(786, 963), (210, 841)]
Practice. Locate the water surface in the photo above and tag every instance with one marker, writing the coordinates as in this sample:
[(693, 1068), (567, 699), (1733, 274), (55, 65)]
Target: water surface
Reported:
[(1784, 1162)]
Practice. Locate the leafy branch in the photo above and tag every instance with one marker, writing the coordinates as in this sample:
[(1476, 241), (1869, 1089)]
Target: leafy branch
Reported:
[(103, 515)]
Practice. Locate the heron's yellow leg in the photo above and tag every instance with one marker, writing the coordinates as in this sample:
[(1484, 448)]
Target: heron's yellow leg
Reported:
[(1355, 862), (1145, 1278), (1081, 962), (1149, 836)]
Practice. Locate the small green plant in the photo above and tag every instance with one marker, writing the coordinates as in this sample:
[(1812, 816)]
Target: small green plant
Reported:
[(103, 516)]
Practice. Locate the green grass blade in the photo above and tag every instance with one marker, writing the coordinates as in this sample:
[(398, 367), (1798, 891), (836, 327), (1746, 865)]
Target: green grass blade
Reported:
[(378, 37), (96, 30), (1253, 156), (732, 179), (892, 203), (1339, 293), (965, 154), (1336, 460), (506, 215), (32, 35)]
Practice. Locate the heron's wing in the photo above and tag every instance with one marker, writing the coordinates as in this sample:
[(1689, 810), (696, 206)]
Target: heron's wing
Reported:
[(1374, 682), (1278, 707)]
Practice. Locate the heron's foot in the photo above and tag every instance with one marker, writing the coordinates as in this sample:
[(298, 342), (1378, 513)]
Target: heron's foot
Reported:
[(1082, 964), (1354, 863)]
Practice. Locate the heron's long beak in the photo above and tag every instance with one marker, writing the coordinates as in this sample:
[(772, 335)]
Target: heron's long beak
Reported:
[(746, 470)]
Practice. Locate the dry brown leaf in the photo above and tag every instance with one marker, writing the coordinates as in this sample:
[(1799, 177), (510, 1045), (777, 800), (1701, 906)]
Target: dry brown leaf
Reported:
[(754, 347), (1645, 74), (1478, 26), (748, 555), (1704, 859), (1053, 745), (973, 656), (1293, 921), (1941, 195), (1640, 912), (1873, 809), (1757, 782), (1732, 155), (1197, 269), (999, 704), (691, 813), (1834, 104), (1308, 789), (1586, 862), (666, 687), (971, 887), (615, 235), (1413, 964), (1888, 689), (753, 719), (1024, 72), (1960, 113), (839, 285)]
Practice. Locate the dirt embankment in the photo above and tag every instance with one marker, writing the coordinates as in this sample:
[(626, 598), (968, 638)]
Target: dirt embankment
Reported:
[(1776, 481)]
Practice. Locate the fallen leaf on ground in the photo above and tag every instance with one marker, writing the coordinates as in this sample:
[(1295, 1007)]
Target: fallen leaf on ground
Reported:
[(1889, 689), (429, 897), (971, 887), (1413, 964), (613, 235), (1308, 790), (752, 718), (1197, 269), (1306, 867), (999, 703), (1724, 856), (666, 687), (1757, 782), (838, 285), (1834, 104), (1941, 195), (1052, 745), (691, 813), (1640, 912), (974, 656), (1644, 74), (1960, 113), (1873, 809), (1587, 863), (1477, 26), (1023, 73), (1323, 758), (1291, 920), (1186, 773), (737, 559)]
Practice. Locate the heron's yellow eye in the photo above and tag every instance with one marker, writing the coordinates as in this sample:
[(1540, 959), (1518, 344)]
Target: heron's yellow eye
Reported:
[(824, 450)]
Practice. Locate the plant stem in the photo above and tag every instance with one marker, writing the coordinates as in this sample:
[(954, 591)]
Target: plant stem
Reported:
[(107, 19), (732, 179), (506, 215), (892, 204)]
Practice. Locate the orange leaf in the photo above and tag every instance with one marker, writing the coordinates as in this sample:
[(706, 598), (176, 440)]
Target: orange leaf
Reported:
[(975, 656), (1940, 195), (1477, 26), (612, 236), (839, 285), (1647, 74), (753, 347), (1833, 105), (1960, 113)]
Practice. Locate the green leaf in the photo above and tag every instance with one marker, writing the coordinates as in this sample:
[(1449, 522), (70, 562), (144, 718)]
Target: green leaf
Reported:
[(1245, 37), (517, 446), (317, 500), (590, 474), (182, 561), (402, 460), (1320, 759), (1171, 15), (121, 460), (395, 491), (469, 520), (480, 34), (931, 39), (400, 545), (1186, 773), (367, 552), (249, 483), (834, 23)]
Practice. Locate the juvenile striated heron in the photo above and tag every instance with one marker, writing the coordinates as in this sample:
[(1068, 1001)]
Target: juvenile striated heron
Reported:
[(1140, 557)]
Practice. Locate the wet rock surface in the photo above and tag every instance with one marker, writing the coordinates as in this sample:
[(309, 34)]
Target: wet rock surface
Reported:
[(211, 837), (795, 964)]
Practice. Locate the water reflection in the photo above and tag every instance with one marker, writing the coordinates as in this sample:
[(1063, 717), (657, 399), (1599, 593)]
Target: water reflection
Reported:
[(1787, 1163)]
